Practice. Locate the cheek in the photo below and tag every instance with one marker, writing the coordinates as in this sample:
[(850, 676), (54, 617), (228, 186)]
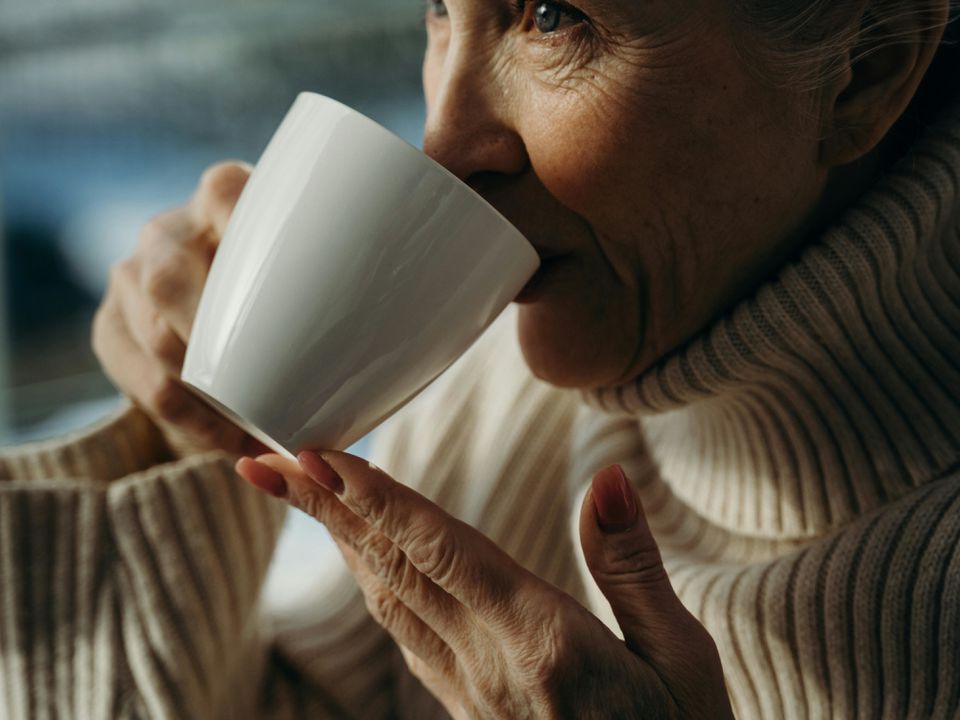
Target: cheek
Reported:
[(683, 158), (686, 179), (567, 147), (599, 160), (614, 141)]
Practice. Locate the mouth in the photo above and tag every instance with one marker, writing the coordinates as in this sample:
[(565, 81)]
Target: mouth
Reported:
[(542, 280)]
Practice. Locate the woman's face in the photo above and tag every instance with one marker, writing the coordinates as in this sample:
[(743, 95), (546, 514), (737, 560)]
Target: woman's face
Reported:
[(657, 177)]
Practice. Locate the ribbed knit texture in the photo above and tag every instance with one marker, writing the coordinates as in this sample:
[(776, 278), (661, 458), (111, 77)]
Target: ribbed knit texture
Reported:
[(127, 587), (799, 462), (802, 467)]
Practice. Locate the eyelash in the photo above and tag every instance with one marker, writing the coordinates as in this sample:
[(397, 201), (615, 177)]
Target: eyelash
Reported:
[(520, 6)]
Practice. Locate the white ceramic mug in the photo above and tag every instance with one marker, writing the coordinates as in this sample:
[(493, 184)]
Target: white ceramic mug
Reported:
[(353, 272)]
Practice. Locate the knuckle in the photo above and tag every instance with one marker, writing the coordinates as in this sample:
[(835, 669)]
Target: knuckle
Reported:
[(392, 568), (383, 605), (153, 233), (163, 283), (313, 504), (381, 556), (404, 577), (172, 231), (220, 184), (638, 566), (371, 506), (546, 664), (434, 553), (318, 504), (310, 503)]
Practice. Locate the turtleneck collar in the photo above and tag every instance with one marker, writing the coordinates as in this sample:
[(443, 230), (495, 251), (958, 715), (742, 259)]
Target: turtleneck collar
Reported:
[(835, 388)]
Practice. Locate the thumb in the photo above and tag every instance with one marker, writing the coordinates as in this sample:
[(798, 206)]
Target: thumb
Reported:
[(625, 562)]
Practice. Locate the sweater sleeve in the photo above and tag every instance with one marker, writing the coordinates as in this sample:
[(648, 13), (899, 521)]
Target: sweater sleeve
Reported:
[(129, 584), (126, 441)]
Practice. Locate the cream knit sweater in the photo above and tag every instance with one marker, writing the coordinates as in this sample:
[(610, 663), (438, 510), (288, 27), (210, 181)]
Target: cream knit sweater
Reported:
[(799, 461)]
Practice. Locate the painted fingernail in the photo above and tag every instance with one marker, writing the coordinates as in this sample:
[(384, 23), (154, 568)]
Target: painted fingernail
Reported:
[(615, 500), (262, 477), (320, 472)]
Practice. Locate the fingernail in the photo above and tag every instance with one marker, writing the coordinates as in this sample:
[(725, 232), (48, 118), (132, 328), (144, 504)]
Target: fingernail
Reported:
[(262, 477), (615, 500), (320, 472)]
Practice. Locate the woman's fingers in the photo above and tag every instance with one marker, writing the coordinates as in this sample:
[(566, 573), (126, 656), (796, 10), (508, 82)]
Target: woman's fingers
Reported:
[(622, 555), (159, 393), (379, 556), (172, 268), (429, 658), (145, 324), (434, 661), (452, 554)]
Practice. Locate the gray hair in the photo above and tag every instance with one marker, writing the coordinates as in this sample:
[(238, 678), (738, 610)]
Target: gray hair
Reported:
[(804, 44)]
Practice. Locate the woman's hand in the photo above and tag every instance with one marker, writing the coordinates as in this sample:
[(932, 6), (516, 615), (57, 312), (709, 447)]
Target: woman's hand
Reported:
[(141, 330), (488, 638)]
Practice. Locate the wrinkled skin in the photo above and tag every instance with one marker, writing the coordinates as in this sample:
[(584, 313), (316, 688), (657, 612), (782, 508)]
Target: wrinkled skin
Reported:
[(639, 148), (141, 328), (491, 640), (635, 143)]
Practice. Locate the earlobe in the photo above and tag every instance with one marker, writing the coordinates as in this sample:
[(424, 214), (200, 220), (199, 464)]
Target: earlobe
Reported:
[(881, 75)]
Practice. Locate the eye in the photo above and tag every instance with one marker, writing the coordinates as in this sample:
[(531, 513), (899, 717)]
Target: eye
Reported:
[(548, 17), (436, 9)]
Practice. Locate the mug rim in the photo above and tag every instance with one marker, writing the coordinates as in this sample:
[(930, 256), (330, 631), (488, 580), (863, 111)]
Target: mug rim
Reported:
[(315, 97)]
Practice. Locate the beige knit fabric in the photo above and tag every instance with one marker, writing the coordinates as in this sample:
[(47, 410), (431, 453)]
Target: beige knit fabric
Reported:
[(807, 453), (800, 463)]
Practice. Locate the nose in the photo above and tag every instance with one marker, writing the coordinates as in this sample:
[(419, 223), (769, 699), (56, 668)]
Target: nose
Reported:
[(468, 128)]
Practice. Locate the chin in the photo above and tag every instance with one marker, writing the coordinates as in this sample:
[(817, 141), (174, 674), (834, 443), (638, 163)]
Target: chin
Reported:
[(564, 346)]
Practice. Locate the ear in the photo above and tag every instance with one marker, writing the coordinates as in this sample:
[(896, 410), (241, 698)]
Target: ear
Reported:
[(881, 74)]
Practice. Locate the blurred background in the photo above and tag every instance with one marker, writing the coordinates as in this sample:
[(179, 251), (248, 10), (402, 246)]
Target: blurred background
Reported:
[(109, 112)]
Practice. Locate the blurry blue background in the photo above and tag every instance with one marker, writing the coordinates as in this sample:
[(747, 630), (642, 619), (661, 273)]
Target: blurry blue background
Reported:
[(109, 112)]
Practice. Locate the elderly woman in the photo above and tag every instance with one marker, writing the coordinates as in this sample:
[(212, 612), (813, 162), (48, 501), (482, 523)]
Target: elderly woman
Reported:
[(709, 464)]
